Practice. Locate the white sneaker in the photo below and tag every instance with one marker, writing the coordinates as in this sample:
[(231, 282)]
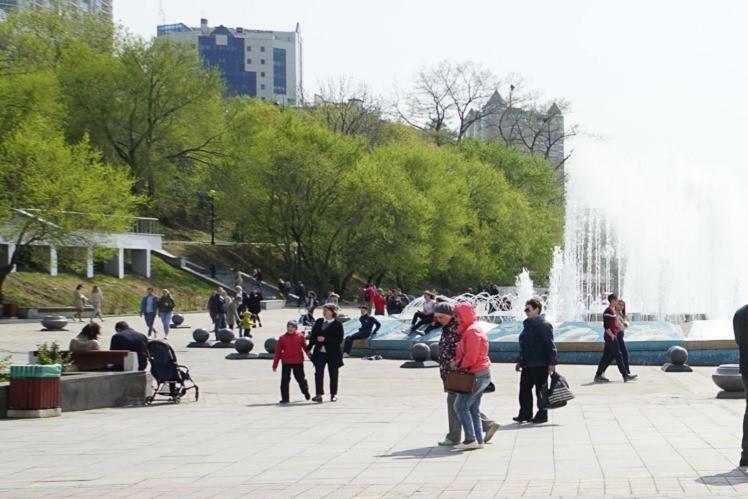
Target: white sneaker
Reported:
[(471, 446)]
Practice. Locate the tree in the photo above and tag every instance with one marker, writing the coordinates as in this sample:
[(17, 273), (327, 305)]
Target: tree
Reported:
[(63, 192), (151, 106), (446, 94)]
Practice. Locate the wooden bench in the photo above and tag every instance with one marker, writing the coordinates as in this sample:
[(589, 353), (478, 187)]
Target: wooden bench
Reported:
[(95, 360)]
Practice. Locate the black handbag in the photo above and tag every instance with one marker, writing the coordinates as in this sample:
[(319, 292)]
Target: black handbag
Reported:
[(555, 396), (459, 382)]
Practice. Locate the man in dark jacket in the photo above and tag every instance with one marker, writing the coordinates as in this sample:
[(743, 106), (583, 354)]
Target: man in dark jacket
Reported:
[(369, 326), (537, 359), (740, 328), (127, 339)]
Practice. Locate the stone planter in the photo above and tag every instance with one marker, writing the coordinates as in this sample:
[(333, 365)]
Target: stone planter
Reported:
[(54, 322), (728, 378)]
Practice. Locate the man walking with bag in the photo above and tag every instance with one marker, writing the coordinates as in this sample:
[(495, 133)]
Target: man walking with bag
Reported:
[(537, 359)]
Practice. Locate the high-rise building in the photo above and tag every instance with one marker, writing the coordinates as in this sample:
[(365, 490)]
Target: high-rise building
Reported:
[(100, 6), (258, 63)]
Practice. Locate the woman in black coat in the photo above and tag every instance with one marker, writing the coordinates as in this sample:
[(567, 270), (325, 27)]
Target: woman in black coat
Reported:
[(325, 342), (254, 305)]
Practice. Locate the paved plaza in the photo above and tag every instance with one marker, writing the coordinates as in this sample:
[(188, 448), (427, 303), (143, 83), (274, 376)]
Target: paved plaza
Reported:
[(664, 435)]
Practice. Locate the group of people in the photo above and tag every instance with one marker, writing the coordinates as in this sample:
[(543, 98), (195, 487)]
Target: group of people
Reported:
[(241, 310), (615, 323), (124, 338), (322, 346), (150, 307)]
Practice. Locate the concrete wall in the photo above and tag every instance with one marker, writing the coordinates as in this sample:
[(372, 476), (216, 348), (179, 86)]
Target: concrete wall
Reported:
[(84, 391)]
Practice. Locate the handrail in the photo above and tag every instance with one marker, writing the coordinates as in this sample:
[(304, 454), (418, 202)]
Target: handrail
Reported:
[(140, 225)]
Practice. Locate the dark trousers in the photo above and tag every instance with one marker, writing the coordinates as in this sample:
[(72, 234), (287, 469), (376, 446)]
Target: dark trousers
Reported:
[(744, 455), (421, 319), (320, 360), (536, 376), (624, 350), (611, 353), (298, 374), (358, 335)]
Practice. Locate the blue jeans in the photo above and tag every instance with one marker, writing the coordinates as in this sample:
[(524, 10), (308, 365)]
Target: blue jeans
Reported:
[(166, 321), (467, 407), (149, 318)]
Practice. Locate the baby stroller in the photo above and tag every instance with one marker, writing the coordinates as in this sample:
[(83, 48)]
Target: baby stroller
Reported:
[(165, 370)]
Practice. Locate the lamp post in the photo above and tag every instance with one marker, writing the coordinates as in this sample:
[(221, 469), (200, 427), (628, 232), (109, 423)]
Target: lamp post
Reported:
[(212, 195)]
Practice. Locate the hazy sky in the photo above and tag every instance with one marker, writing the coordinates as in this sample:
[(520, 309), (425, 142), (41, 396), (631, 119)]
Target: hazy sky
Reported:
[(663, 82)]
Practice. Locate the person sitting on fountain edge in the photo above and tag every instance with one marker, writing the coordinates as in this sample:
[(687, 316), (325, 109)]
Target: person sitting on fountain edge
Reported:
[(369, 326), (425, 316), (611, 351)]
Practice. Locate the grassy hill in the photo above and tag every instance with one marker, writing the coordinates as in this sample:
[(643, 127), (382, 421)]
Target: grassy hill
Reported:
[(121, 296)]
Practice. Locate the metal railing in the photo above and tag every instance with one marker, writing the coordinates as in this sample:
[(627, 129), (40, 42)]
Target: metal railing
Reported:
[(138, 225)]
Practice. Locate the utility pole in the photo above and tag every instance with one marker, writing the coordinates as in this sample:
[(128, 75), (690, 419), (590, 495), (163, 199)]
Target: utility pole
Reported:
[(212, 195)]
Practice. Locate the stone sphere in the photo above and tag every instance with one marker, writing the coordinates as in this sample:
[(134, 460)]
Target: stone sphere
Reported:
[(420, 352), (434, 351), (177, 319), (54, 322), (200, 335), (244, 345), (225, 335), (270, 345), (677, 355)]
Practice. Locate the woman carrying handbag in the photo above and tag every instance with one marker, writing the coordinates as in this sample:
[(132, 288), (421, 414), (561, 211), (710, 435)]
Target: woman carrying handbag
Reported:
[(472, 361)]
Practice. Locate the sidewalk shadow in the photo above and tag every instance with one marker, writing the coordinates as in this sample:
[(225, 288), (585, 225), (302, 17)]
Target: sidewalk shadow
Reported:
[(723, 479), (291, 404), (524, 426), (421, 453)]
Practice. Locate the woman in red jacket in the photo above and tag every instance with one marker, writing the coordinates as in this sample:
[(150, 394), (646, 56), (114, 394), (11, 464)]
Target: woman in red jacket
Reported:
[(472, 356)]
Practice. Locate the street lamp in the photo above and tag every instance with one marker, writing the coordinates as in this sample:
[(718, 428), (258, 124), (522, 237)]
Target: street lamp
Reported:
[(212, 195)]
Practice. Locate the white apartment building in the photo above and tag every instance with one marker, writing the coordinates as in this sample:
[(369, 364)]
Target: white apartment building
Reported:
[(258, 63)]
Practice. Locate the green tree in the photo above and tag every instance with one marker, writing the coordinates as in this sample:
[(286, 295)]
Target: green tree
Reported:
[(152, 106), (55, 193)]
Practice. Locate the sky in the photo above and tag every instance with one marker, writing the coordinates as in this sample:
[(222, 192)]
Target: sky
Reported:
[(656, 82)]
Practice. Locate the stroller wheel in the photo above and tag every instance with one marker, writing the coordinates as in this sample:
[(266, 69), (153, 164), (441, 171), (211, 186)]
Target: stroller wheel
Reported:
[(177, 400)]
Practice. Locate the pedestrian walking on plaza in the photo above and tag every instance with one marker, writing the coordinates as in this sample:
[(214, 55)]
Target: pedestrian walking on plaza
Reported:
[(287, 290), (79, 301), (622, 323), (216, 305), (740, 329), (369, 326), (87, 340), (536, 361), (444, 314), (325, 339), (148, 309), (290, 350), (125, 338), (612, 351), (165, 305), (301, 291), (97, 300), (471, 356), (254, 304), (232, 312)]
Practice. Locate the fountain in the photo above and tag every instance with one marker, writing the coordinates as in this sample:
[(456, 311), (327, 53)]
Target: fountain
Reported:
[(663, 239)]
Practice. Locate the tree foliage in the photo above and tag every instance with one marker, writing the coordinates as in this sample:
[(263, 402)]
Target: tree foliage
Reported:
[(93, 120)]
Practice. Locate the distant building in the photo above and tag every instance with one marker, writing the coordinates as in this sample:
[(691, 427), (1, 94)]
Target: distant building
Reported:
[(257, 63), (534, 131), (99, 6)]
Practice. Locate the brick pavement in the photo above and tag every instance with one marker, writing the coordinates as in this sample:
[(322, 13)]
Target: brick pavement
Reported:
[(662, 436)]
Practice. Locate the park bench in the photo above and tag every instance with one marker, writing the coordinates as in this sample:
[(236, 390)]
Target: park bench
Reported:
[(94, 360), (40, 312)]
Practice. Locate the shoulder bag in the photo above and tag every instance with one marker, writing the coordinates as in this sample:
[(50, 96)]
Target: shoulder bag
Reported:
[(459, 382)]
